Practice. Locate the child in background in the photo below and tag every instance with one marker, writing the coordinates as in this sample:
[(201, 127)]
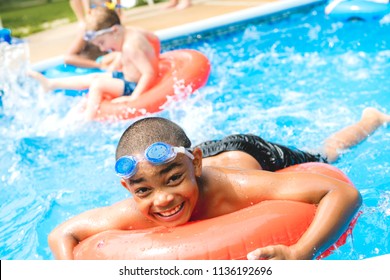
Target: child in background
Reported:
[(138, 60), (81, 8), (83, 53)]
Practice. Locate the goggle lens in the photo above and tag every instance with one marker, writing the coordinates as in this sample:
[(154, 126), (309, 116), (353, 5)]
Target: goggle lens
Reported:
[(126, 166), (159, 153)]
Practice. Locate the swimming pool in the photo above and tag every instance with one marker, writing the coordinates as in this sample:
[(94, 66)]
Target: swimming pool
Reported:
[(293, 80)]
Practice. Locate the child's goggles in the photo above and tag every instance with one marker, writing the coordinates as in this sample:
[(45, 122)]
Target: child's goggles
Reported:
[(157, 154), (90, 35)]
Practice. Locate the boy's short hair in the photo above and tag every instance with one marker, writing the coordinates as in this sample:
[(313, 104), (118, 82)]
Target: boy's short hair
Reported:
[(101, 18), (144, 132)]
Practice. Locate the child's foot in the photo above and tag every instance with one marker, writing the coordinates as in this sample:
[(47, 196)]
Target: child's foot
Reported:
[(376, 115), (45, 82)]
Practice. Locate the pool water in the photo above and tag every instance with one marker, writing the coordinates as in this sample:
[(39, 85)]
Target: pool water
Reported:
[(294, 81)]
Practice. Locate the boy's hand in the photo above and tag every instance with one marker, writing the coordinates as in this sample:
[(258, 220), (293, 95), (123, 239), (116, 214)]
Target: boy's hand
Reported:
[(276, 252)]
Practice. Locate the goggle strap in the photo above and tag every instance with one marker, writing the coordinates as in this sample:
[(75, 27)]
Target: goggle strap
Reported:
[(183, 151), (90, 35)]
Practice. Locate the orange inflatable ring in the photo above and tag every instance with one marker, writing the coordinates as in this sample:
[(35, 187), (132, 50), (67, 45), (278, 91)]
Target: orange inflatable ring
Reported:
[(181, 72), (230, 236)]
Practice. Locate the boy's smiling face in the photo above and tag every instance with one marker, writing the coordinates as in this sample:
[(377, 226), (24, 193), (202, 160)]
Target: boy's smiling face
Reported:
[(167, 194)]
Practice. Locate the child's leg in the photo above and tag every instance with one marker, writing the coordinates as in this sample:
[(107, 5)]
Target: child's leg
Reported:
[(171, 4), (184, 4), (78, 9), (75, 82), (104, 88), (371, 119)]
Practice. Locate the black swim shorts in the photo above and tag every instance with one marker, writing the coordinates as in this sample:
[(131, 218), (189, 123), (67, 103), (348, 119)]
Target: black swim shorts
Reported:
[(270, 156)]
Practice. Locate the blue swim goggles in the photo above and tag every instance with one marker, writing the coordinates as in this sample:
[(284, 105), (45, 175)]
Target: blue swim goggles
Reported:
[(90, 35), (157, 154)]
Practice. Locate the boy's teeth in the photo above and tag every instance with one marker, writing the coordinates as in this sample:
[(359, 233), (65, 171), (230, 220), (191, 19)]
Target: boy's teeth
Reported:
[(171, 212)]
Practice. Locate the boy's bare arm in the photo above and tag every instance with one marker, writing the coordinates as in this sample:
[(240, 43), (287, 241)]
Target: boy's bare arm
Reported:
[(112, 62), (337, 203), (142, 56), (66, 236), (335, 211)]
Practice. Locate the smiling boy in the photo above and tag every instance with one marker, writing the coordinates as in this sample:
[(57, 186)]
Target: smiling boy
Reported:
[(172, 184)]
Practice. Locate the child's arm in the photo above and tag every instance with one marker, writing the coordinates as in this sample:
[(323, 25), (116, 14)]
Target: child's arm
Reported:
[(141, 55), (337, 202), (73, 56), (80, 61), (112, 62), (66, 236)]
